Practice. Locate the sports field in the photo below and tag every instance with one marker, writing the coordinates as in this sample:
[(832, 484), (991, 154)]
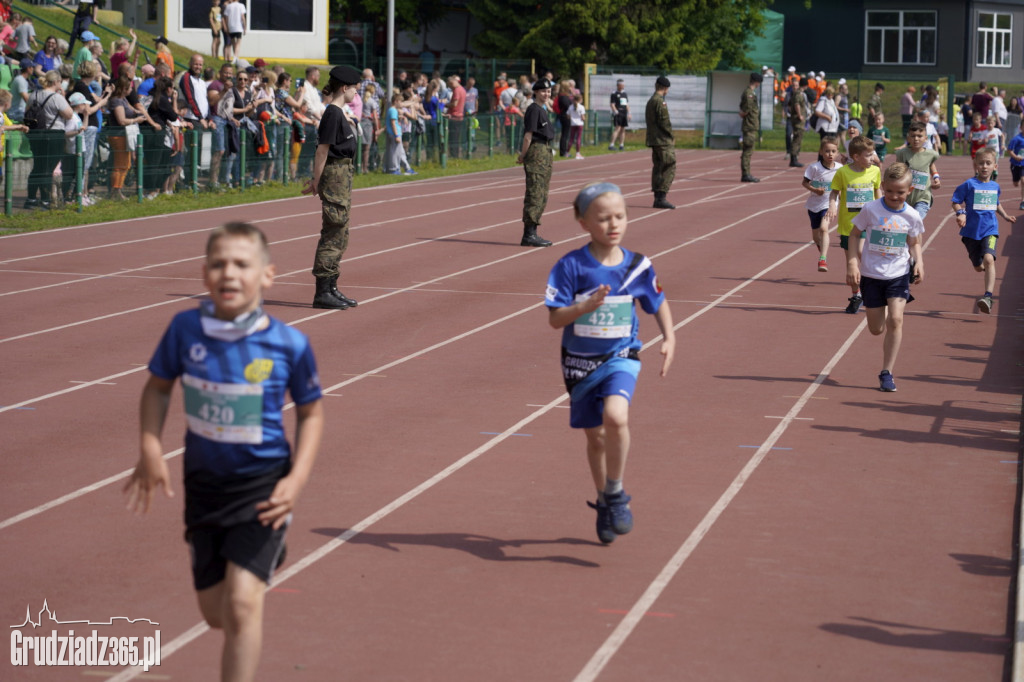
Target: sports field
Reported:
[(792, 522)]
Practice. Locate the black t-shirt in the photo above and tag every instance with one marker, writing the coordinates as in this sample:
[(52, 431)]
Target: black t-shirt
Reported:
[(620, 100), (536, 121), (161, 110), (564, 102), (335, 131), (80, 87)]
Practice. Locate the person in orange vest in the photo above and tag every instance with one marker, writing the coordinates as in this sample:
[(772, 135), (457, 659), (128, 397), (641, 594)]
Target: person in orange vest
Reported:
[(822, 83), (812, 81)]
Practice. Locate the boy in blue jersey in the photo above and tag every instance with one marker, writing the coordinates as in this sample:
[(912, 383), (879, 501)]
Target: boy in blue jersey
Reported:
[(241, 477), (1015, 149), (976, 204), (590, 295)]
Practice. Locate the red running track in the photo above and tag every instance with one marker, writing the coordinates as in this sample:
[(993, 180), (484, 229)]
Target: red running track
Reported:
[(792, 523)]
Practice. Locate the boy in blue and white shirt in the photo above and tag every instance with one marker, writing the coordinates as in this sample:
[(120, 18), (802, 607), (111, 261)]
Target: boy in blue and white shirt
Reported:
[(1015, 150), (976, 204), (591, 295), (242, 478), (892, 230)]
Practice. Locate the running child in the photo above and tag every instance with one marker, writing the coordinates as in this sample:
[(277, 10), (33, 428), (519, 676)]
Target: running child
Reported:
[(817, 181), (924, 173), (242, 479), (976, 204), (854, 186), (880, 135), (591, 295), (978, 133), (891, 260), (1015, 150), (994, 140)]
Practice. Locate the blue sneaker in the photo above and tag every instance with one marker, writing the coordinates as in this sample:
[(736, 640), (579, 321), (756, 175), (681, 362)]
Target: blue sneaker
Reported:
[(618, 510), (396, 172), (411, 172), (604, 522), (885, 382)]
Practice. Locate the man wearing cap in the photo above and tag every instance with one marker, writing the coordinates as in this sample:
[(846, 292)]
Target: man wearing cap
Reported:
[(85, 52), (661, 142), (21, 87), (750, 112), (620, 114), (332, 182), (536, 159), (85, 16)]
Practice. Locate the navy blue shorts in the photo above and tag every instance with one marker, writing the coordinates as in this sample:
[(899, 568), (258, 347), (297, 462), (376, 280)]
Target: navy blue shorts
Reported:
[(877, 292), (816, 218), (588, 412), (1015, 173), (977, 248)]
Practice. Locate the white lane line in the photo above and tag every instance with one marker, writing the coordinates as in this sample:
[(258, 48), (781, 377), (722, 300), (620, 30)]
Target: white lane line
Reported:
[(629, 622), (197, 630)]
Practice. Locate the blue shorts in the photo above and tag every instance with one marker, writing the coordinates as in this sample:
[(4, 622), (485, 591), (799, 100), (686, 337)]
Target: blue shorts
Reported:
[(587, 413), (1015, 173), (877, 291), (922, 207), (977, 248), (816, 218)]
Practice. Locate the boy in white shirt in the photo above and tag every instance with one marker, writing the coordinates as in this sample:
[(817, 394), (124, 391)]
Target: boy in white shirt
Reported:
[(892, 230)]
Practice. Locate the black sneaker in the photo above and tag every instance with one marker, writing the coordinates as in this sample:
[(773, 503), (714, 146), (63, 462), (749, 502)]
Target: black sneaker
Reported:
[(604, 522), (854, 306)]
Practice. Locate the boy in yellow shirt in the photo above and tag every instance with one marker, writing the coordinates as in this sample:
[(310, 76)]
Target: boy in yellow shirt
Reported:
[(854, 186)]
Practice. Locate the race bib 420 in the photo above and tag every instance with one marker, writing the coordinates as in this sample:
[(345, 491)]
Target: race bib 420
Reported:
[(226, 413)]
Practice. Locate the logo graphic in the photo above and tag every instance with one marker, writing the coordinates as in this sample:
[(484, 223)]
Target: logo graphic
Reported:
[(70, 649), (550, 293), (258, 370), (197, 353)]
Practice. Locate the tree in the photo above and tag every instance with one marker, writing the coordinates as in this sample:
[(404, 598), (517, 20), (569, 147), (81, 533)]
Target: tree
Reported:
[(410, 15), (673, 35)]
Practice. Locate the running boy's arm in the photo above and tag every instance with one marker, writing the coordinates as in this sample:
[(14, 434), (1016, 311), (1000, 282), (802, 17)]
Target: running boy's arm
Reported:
[(820, 191), (915, 252), (852, 258), (833, 206), (934, 170), (308, 432), (151, 470), (960, 209), (1001, 212), (562, 317), (668, 344)]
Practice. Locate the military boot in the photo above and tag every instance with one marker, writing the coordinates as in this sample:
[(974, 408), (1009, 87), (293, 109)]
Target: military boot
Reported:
[(661, 202), (352, 303), (325, 298), (531, 238)]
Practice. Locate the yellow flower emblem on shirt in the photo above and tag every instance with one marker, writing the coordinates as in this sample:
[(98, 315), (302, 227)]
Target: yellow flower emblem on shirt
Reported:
[(258, 370)]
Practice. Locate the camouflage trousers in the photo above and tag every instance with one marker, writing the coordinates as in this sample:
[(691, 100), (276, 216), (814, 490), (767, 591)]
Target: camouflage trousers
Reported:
[(336, 194), (663, 171), (798, 137), (749, 140), (537, 163)]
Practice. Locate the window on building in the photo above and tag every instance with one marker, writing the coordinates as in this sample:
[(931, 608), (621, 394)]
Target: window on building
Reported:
[(900, 37), (274, 15), (994, 39)]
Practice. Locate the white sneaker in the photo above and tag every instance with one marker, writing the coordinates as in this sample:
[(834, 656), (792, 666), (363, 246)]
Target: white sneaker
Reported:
[(578, 155)]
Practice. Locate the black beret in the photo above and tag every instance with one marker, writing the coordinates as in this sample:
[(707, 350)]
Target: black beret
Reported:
[(662, 82), (346, 75), (542, 84), (756, 78)]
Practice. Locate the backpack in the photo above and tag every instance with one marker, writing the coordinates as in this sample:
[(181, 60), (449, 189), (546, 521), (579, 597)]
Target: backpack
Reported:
[(34, 115)]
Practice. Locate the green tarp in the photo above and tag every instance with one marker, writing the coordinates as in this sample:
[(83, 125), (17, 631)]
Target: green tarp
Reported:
[(767, 51)]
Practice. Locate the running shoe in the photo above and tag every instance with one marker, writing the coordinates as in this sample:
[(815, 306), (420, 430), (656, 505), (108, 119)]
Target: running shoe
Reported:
[(395, 172), (1021, 207), (619, 512), (411, 172), (885, 382), (985, 304), (822, 265), (604, 522), (580, 156), (854, 306)]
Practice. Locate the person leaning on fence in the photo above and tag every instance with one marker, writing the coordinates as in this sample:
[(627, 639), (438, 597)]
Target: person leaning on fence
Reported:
[(661, 142), (48, 108), (750, 112), (332, 182), (536, 159), (122, 134)]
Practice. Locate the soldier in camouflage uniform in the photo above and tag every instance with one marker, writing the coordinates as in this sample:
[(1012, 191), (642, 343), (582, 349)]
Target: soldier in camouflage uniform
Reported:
[(332, 182), (797, 112), (661, 142), (750, 112), (536, 159), (875, 105)]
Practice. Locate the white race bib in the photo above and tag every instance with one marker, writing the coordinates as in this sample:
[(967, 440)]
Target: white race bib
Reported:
[(887, 242), (920, 180), (613, 320)]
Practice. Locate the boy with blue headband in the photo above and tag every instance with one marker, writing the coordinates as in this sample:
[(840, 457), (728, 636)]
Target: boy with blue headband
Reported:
[(590, 296)]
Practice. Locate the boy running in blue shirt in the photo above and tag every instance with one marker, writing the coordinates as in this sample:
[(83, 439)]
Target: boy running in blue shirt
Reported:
[(890, 261), (591, 296), (976, 204), (241, 478), (1015, 149)]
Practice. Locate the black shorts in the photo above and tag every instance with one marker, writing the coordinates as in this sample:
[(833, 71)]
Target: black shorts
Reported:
[(977, 248), (877, 291), (236, 36), (1015, 173), (620, 120), (816, 218), (216, 34), (222, 525), (844, 242)]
